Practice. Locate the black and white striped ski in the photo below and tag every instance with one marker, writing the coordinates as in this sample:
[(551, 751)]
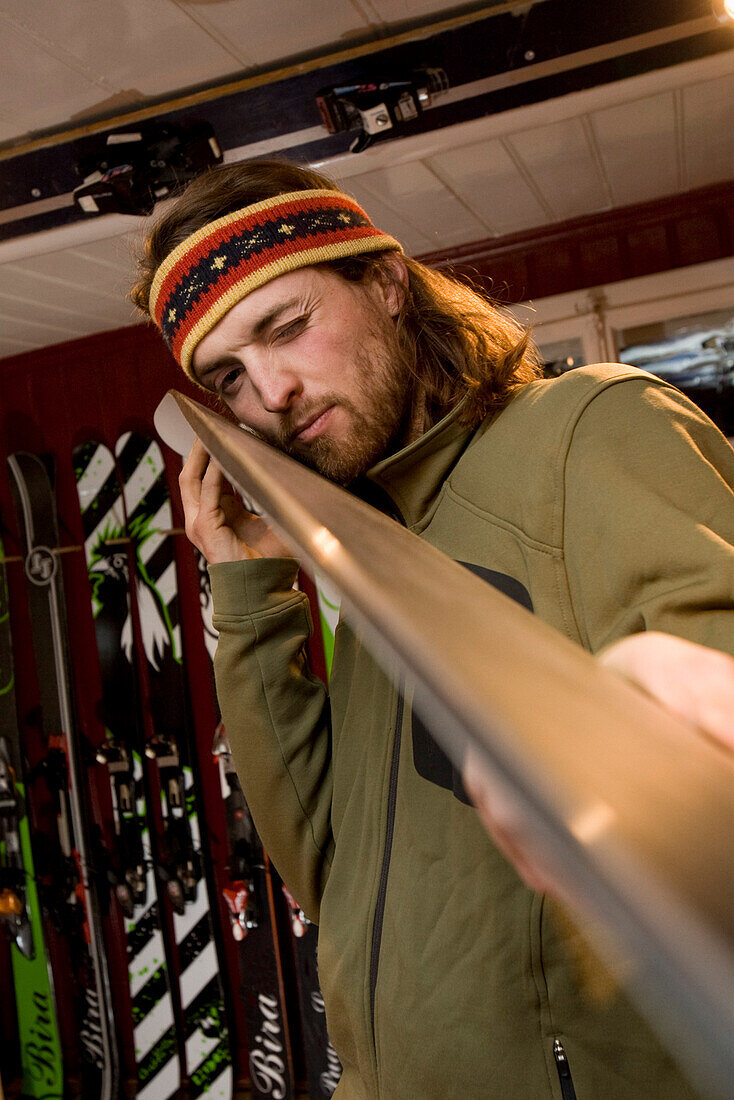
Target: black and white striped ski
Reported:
[(157, 1062), (206, 1043), (78, 901)]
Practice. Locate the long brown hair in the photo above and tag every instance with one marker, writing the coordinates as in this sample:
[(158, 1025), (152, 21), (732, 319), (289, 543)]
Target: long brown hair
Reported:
[(457, 342)]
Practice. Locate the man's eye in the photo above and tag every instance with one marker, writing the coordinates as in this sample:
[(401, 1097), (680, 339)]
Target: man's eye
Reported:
[(229, 379), (291, 329)]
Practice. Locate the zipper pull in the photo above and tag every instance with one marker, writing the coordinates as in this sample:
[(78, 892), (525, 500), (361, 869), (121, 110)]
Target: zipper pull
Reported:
[(561, 1060), (564, 1073)]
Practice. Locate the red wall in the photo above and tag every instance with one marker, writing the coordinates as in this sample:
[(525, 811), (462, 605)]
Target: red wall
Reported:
[(624, 243), (50, 401)]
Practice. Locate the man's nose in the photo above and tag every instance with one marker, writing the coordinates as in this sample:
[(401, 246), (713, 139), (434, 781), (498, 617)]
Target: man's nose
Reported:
[(277, 386)]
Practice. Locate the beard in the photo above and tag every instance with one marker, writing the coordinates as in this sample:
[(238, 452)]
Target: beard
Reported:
[(377, 416)]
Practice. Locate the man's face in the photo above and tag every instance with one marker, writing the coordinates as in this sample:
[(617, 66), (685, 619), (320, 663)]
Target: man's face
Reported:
[(311, 363)]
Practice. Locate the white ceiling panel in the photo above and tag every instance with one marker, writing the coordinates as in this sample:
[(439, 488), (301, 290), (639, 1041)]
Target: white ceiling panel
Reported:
[(258, 36), (110, 252), (118, 45), (416, 189), (36, 89), (489, 181), (54, 332), (115, 256), (638, 144), (386, 217), (71, 268), (562, 162), (708, 112), (104, 303), (64, 309), (10, 347), (402, 11), (110, 278)]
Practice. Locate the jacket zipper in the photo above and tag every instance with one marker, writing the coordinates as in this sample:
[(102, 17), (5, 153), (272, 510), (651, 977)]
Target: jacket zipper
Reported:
[(564, 1073), (387, 505), (382, 892)]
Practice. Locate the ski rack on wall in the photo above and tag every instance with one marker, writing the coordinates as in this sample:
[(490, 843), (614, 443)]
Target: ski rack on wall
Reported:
[(630, 809), (503, 56)]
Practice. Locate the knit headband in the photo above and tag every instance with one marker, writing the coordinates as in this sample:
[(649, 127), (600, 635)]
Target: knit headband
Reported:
[(216, 267)]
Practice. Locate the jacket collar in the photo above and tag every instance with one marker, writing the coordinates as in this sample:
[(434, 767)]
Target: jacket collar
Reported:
[(412, 477)]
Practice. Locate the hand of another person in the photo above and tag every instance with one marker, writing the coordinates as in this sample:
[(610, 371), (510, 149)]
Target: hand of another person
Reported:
[(692, 681), (217, 522)]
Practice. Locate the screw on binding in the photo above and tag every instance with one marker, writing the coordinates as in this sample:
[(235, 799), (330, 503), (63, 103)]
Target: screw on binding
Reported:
[(239, 897), (165, 755), (10, 904), (129, 880), (54, 766), (14, 920), (13, 912), (299, 920), (180, 885), (179, 867)]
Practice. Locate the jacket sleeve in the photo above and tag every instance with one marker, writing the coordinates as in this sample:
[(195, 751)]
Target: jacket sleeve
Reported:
[(649, 518), (276, 714)]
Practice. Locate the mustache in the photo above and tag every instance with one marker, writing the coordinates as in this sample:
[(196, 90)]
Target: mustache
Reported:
[(293, 421)]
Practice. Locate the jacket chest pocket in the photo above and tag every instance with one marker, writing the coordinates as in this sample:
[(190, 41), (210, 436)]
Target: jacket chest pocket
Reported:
[(429, 760)]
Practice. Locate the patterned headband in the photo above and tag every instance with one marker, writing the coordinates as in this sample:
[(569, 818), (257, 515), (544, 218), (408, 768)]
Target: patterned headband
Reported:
[(216, 267)]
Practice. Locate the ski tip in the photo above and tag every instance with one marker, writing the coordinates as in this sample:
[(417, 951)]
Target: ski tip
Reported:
[(172, 426)]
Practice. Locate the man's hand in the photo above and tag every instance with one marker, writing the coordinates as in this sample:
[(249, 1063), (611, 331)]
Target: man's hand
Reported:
[(694, 682), (216, 520), (503, 821)]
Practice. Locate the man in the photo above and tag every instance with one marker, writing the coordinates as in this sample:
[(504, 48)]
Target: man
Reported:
[(444, 974)]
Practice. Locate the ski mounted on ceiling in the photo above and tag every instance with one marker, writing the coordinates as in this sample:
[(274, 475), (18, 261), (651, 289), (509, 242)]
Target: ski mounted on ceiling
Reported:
[(556, 751), (494, 61)]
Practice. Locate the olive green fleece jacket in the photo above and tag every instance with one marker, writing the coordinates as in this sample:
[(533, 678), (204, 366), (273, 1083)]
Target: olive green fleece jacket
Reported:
[(603, 500)]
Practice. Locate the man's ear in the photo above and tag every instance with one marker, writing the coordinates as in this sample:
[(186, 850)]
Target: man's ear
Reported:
[(393, 281)]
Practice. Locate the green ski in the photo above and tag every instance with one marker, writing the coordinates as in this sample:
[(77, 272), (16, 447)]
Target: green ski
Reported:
[(20, 910)]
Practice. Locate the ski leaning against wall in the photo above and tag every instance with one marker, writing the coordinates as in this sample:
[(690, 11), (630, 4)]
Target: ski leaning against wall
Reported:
[(253, 909), (77, 901), (172, 755), (323, 1069), (158, 1068), (20, 908)]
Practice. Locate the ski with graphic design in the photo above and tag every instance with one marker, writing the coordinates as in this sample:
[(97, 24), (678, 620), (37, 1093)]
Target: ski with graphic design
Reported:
[(74, 888), (250, 898), (157, 1062), (327, 601), (20, 910), (323, 1067), (171, 753)]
